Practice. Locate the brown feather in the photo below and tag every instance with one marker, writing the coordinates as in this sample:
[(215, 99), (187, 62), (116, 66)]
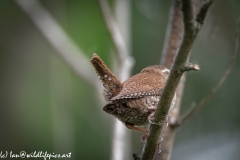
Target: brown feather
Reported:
[(112, 85), (135, 100), (146, 83)]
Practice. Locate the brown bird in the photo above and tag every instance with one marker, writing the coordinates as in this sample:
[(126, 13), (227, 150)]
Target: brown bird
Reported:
[(134, 101)]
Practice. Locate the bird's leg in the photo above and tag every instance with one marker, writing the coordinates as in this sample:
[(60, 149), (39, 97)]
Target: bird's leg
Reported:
[(143, 139), (159, 144), (151, 118), (167, 118), (131, 126)]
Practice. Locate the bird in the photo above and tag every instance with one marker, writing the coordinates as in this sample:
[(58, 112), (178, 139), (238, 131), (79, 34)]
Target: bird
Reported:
[(135, 100)]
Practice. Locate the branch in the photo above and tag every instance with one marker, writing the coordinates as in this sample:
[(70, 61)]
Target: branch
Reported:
[(203, 11), (120, 149), (193, 110), (172, 43), (189, 67), (190, 32), (126, 61), (59, 40), (174, 34)]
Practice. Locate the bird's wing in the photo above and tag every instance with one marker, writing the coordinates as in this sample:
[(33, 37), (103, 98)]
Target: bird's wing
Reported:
[(141, 85)]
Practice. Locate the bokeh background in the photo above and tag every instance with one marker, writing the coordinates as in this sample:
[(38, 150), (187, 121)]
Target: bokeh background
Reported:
[(45, 106)]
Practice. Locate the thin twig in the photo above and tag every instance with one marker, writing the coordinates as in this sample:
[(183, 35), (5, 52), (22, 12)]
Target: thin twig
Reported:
[(190, 33), (126, 61), (203, 11), (193, 110), (59, 40), (122, 10), (120, 147)]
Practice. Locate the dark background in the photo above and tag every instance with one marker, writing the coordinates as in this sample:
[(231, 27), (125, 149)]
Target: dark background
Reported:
[(45, 106)]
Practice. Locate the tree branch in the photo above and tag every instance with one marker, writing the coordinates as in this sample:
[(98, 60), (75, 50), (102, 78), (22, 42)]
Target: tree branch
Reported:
[(172, 43), (190, 32), (174, 34), (120, 149), (189, 67), (203, 11), (126, 61), (194, 109)]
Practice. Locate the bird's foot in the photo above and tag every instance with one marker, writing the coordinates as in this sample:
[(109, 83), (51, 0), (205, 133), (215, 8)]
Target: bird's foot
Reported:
[(152, 120)]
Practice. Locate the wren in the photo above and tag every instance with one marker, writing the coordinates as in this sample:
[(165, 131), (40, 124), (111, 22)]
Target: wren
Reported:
[(135, 100)]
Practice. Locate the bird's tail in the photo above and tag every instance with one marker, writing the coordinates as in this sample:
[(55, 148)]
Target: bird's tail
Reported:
[(112, 85)]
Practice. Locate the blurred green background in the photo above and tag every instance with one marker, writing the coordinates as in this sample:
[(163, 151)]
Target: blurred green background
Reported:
[(45, 106)]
